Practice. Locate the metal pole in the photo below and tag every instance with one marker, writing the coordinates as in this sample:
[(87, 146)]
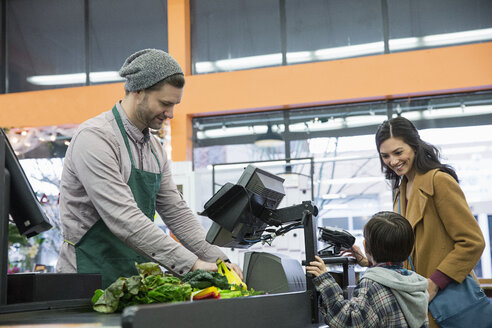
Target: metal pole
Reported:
[(4, 83), (283, 31), (312, 178), (384, 15), (213, 179), (87, 43), (311, 250)]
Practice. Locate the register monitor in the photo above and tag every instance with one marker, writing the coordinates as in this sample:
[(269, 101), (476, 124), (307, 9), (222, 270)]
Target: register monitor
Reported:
[(24, 206), (236, 208)]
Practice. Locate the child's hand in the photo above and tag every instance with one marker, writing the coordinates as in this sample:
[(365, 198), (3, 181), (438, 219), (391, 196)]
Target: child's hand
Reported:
[(357, 253), (316, 267)]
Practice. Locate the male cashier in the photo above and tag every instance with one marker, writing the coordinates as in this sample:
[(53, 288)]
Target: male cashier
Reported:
[(116, 176)]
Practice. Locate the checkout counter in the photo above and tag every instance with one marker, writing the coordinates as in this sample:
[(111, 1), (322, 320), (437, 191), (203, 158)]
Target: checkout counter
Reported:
[(241, 214)]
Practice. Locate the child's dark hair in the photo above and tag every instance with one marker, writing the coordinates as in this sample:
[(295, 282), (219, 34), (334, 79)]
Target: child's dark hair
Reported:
[(389, 237)]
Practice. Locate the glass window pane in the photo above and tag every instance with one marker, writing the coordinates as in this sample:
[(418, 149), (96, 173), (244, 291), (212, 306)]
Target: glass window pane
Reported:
[(416, 24), (230, 35), (341, 223), (360, 221), (120, 28), (324, 30), (45, 38), (204, 156)]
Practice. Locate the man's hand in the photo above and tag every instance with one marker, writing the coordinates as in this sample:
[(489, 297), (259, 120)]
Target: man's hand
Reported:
[(432, 288), (316, 267), (207, 266)]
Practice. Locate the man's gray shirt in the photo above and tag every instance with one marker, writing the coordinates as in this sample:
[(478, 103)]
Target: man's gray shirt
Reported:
[(94, 187)]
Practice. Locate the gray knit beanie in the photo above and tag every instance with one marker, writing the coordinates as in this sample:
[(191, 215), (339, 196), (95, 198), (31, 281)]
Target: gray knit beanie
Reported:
[(146, 67)]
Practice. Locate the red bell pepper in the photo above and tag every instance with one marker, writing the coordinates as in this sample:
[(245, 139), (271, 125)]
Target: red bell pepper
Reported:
[(210, 292)]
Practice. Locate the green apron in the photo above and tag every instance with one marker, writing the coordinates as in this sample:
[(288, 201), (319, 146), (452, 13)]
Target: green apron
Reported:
[(99, 250)]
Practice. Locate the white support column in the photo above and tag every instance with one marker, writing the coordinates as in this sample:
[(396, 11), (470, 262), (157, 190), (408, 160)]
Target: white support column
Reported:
[(483, 222)]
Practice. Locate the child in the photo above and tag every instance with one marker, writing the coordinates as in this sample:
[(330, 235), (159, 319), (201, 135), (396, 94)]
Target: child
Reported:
[(387, 295)]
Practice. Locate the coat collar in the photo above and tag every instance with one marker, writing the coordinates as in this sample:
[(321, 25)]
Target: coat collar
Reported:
[(423, 188)]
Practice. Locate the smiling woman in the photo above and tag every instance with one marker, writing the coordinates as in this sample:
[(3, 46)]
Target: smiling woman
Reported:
[(429, 197)]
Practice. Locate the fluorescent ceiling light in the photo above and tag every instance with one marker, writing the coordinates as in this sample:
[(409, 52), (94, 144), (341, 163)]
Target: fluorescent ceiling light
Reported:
[(335, 206), (349, 51), (235, 131), (76, 78), (231, 132), (300, 57), (238, 63), (337, 123), (441, 39), (249, 62), (358, 180), (333, 196)]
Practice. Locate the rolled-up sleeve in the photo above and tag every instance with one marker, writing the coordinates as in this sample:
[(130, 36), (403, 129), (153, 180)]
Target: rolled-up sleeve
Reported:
[(179, 218)]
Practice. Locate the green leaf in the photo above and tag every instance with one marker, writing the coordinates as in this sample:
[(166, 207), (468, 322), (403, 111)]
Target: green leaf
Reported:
[(148, 269)]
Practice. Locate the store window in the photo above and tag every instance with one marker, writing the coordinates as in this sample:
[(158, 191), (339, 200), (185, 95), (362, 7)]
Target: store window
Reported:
[(55, 43), (120, 28), (45, 42), (325, 30), (417, 24), (231, 35)]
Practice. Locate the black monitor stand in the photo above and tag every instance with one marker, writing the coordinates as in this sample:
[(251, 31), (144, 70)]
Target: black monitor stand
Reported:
[(303, 213)]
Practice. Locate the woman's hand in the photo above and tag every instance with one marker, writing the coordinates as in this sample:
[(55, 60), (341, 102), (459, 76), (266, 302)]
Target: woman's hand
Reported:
[(317, 267), (432, 288), (357, 253)]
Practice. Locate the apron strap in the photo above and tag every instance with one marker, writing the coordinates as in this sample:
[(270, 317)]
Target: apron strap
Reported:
[(125, 137), (68, 242), (123, 132)]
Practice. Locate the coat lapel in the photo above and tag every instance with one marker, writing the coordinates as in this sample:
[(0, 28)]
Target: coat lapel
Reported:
[(423, 189)]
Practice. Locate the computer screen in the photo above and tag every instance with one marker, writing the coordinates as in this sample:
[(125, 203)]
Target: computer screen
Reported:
[(236, 208), (24, 207)]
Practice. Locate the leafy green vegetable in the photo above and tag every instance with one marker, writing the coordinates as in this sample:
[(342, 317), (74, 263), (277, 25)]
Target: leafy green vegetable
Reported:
[(201, 279), (150, 286), (171, 293), (148, 269)]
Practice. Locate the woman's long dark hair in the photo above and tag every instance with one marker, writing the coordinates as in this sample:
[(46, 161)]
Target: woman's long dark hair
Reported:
[(426, 155)]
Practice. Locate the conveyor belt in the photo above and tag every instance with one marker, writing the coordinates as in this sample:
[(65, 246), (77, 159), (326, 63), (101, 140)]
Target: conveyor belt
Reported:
[(68, 317)]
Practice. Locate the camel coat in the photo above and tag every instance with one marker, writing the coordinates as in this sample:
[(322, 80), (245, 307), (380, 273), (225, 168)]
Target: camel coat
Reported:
[(447, 235)]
